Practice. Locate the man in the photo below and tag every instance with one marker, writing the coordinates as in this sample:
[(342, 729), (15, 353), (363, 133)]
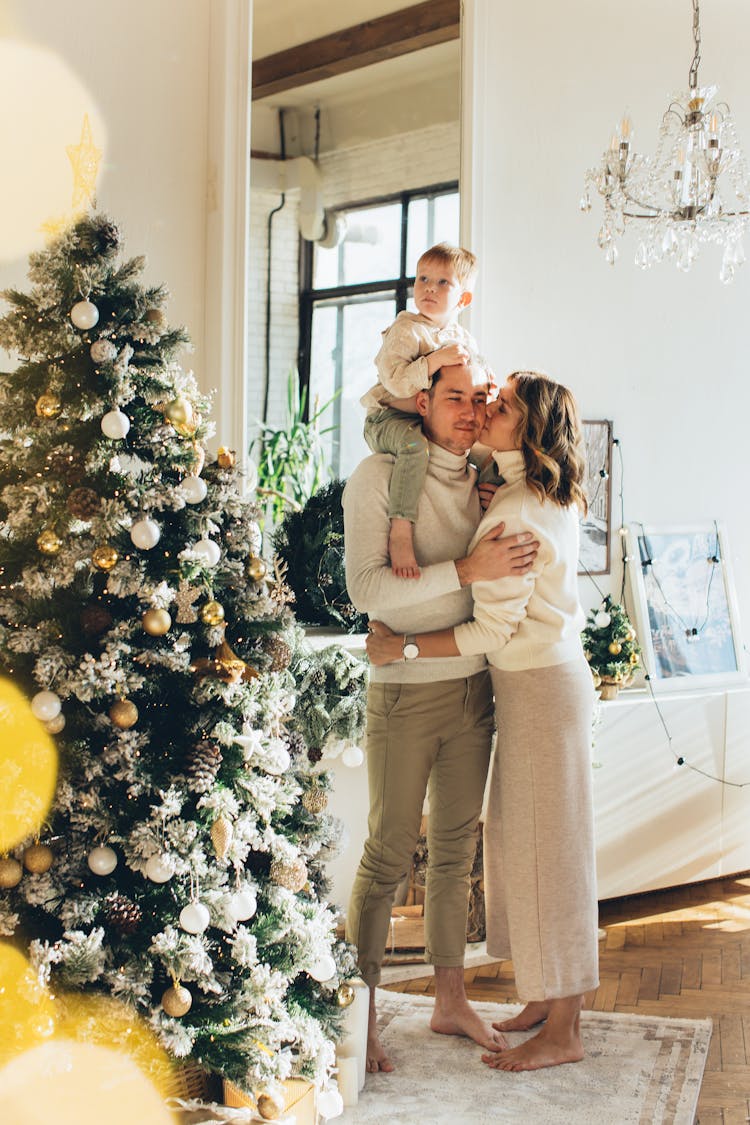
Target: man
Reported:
[(429, 723)]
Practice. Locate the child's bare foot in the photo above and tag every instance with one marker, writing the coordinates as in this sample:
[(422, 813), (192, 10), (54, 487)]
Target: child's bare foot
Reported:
[(401, 549)]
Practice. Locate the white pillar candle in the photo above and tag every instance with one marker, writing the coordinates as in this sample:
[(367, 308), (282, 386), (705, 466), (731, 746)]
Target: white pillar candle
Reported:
[(348, 1080), (354, 1042)]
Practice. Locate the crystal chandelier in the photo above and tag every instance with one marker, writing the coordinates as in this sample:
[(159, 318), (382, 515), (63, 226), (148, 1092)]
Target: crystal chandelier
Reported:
[(695, 189)]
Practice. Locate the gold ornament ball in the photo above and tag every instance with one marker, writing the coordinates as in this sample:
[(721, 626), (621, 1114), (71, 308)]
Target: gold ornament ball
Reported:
[(156, 622), (124, 714), (212, 613), (37, 859), (290, 875), (614, 647), (11, 873), (630, 635), (157, 317), (104, 558), (344, 995), (270, 1106), (48, 542), (315, 799), (48, 406), (177, 1000), (54, 726), (225, 457), (180, 413), (256, 568)]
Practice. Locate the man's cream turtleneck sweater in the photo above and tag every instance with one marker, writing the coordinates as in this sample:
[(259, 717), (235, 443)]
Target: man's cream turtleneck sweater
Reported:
[(447, 518)]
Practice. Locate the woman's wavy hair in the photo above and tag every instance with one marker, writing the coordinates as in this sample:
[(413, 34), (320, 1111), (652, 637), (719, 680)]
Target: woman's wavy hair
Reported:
[(551, 438)]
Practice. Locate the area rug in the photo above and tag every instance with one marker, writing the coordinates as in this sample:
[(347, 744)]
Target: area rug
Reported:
[(638, 1070)]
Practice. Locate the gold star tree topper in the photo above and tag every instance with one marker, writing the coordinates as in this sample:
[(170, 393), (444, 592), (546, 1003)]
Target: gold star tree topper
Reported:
[(84, 158)]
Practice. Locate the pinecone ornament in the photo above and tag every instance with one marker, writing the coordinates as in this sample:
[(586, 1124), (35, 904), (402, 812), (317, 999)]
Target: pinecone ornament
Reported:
[(84, 503), (124, 914), (97, 236), (203, 765), (314, 756), (295, 744), (221, 836), (279, 651)]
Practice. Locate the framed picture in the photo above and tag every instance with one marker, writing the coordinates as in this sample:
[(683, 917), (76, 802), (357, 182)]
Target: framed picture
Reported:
[(685, 606), (593, 556)]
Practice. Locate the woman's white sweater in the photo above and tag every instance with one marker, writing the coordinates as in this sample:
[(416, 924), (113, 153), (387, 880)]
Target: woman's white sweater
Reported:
[(533, 620)]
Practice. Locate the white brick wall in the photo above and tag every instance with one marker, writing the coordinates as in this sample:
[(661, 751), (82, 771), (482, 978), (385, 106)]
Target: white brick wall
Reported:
[(410, 160)]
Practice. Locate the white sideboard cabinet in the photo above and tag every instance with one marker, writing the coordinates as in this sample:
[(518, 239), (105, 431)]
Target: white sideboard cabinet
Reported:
[(659, 824)]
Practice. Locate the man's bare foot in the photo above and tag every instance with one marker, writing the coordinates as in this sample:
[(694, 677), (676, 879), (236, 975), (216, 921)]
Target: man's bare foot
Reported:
[(542, 1050), (377, 1057), (401, 549), (454, 1015), (535, 1012)]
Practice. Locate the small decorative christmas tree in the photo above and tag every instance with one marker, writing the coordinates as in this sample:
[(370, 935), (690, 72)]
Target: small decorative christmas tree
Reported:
[(311, 543), (181, 870), (611, 648)]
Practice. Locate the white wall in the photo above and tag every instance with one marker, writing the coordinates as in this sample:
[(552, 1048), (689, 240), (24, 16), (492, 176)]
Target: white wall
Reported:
[(665, 355), (145, 63)]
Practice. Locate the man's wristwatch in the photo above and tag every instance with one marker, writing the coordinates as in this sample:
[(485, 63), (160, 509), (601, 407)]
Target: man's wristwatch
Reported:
[(410, 648)]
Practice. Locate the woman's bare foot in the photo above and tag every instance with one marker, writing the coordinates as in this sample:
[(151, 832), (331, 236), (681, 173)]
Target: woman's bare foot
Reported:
[(535, 1012), (454, 1015), (559, 1040), (401, 549), (540, 1051)]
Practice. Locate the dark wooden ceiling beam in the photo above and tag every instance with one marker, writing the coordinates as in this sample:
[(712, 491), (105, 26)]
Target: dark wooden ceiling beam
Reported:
[(410, 29)]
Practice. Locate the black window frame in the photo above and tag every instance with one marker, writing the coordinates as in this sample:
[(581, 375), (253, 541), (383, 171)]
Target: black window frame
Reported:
[(401, 285)]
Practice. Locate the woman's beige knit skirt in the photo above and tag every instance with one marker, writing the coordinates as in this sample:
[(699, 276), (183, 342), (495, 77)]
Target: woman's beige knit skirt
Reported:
[(539, 858)]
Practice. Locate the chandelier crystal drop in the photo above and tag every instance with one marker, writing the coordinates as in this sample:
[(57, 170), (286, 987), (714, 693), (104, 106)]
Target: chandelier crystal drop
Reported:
[(695, 188)]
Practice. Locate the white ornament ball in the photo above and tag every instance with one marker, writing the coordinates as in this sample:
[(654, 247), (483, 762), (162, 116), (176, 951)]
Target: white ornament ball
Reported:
[(243, 905), (102, 351), (278, 762), (160, 868), (194, 918), (194, 489), (45, 705), (352, 757), (115, 424), (102, 861), (330, 1103), (602, 619), (208, 551), (145, 534), (84, 314), (324, 968)]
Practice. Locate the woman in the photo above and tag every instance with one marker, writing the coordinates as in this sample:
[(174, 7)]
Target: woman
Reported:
[(540, 880)]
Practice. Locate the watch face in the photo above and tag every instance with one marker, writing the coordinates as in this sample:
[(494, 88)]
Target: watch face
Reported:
[(411, 652)]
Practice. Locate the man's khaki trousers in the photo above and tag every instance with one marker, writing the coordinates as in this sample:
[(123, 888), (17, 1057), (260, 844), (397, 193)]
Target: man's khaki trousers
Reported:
[(420, 736)]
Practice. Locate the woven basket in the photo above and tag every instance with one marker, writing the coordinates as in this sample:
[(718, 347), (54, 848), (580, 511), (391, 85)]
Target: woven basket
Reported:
[(187, 1081)]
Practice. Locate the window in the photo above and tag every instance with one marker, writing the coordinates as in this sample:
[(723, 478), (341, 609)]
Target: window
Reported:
[(352, 292)]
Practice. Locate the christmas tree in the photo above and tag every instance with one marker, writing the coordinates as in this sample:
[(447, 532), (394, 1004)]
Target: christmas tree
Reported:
[(182, 866), (610, 644)]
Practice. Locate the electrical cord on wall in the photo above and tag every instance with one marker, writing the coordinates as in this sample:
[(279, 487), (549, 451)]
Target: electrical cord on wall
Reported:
[(269, 233)]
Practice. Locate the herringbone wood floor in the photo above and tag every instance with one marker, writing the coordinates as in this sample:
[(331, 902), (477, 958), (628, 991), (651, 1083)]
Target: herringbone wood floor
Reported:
[(679, 952)]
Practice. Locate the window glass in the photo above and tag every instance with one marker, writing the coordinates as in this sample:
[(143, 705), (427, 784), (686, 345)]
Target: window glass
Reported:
[(430, 219), (370, 251), (345, 339)]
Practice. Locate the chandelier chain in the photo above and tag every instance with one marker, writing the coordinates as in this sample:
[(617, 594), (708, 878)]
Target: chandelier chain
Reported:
[(693, 79)]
